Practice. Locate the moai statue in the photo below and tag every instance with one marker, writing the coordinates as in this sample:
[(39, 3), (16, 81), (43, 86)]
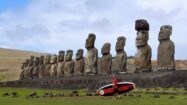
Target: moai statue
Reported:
[(60, 66), (79, 63), (53, 61), (36, 67), (31, 67), (166, 49), (26, 69), (69, 63), (22, 71), (143, 54), (106, 59), (121, 56), (47, 66), (91, 56), (41, 67)]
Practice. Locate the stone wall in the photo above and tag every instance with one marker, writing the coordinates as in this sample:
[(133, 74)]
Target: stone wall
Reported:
[(144, 80)]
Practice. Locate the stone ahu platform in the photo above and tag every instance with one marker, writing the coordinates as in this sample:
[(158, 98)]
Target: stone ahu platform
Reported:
[(144, 80)]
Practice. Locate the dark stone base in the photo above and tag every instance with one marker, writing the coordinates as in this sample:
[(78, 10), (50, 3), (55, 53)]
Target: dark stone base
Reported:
[(144, 80)]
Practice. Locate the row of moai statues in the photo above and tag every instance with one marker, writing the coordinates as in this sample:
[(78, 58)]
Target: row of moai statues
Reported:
[(64, 65)]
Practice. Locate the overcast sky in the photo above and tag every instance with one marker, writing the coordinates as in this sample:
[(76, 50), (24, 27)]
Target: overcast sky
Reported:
[(51, 25)]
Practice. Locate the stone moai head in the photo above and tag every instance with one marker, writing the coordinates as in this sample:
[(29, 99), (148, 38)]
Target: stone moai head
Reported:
[(53, 59), (79, 54), (141, 24), (106, 48), (36, 61), (26, 62), (47, 59), (165, 32), (69, 54), (41, 60), (90, 41), (31, 61), (61, 56), (120, 43), (142, 38)]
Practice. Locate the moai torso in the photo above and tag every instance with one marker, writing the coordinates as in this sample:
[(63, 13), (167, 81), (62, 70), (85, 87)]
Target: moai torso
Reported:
[(53, 71), (166, 50), (69, 63), (26, 69), (143, 55), (31, 67), (36, 68), (22, 71), (60, 66), (41, 67), (91, 56), (121, 57), (79, 63), (143, 59), (106, 60), (47, 66)]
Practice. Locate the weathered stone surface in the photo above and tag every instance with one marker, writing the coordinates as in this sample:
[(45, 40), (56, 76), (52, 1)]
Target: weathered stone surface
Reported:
[(79, 63), (69, 63), (106, 60), (166, 49), (53, 61), (91, 56), (47, 66), (41, 67), (31, 67), (36, 67), (26, 69), (143, 54), (121, 57), (60, 66), (166, 79), (141, 24)]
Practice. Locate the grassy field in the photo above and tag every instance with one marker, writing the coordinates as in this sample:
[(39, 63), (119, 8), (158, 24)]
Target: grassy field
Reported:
[(136, 97)]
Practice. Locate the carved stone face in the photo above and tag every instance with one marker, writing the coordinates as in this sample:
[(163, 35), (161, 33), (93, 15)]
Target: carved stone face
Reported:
[(41, 59), (53, 59), (106, 48), (69, 54), (47, 59), (165, 32), (26, 62), (36, 61), (120, 43), (61, 56), (79, 54), (142, 38), (90, 41)]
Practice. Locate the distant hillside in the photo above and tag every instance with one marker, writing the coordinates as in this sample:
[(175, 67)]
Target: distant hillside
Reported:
[(10, 61)]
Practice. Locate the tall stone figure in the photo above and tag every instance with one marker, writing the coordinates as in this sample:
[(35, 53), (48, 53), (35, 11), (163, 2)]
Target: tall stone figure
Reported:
[(143, 54), (79, 63), (166, 49), (26, 69), (22, 71), (41, 67), (53, 70), (60, 66), (69, 63), (36, 67), (47, 66), (106, 60), (121, 57), (91, 56), (31, 67)]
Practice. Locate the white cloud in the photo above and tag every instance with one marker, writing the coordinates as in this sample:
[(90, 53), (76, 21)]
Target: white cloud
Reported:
[(52, 25)]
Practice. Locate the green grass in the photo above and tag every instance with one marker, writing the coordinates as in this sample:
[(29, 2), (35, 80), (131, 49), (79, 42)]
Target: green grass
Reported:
[(145, 99)]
